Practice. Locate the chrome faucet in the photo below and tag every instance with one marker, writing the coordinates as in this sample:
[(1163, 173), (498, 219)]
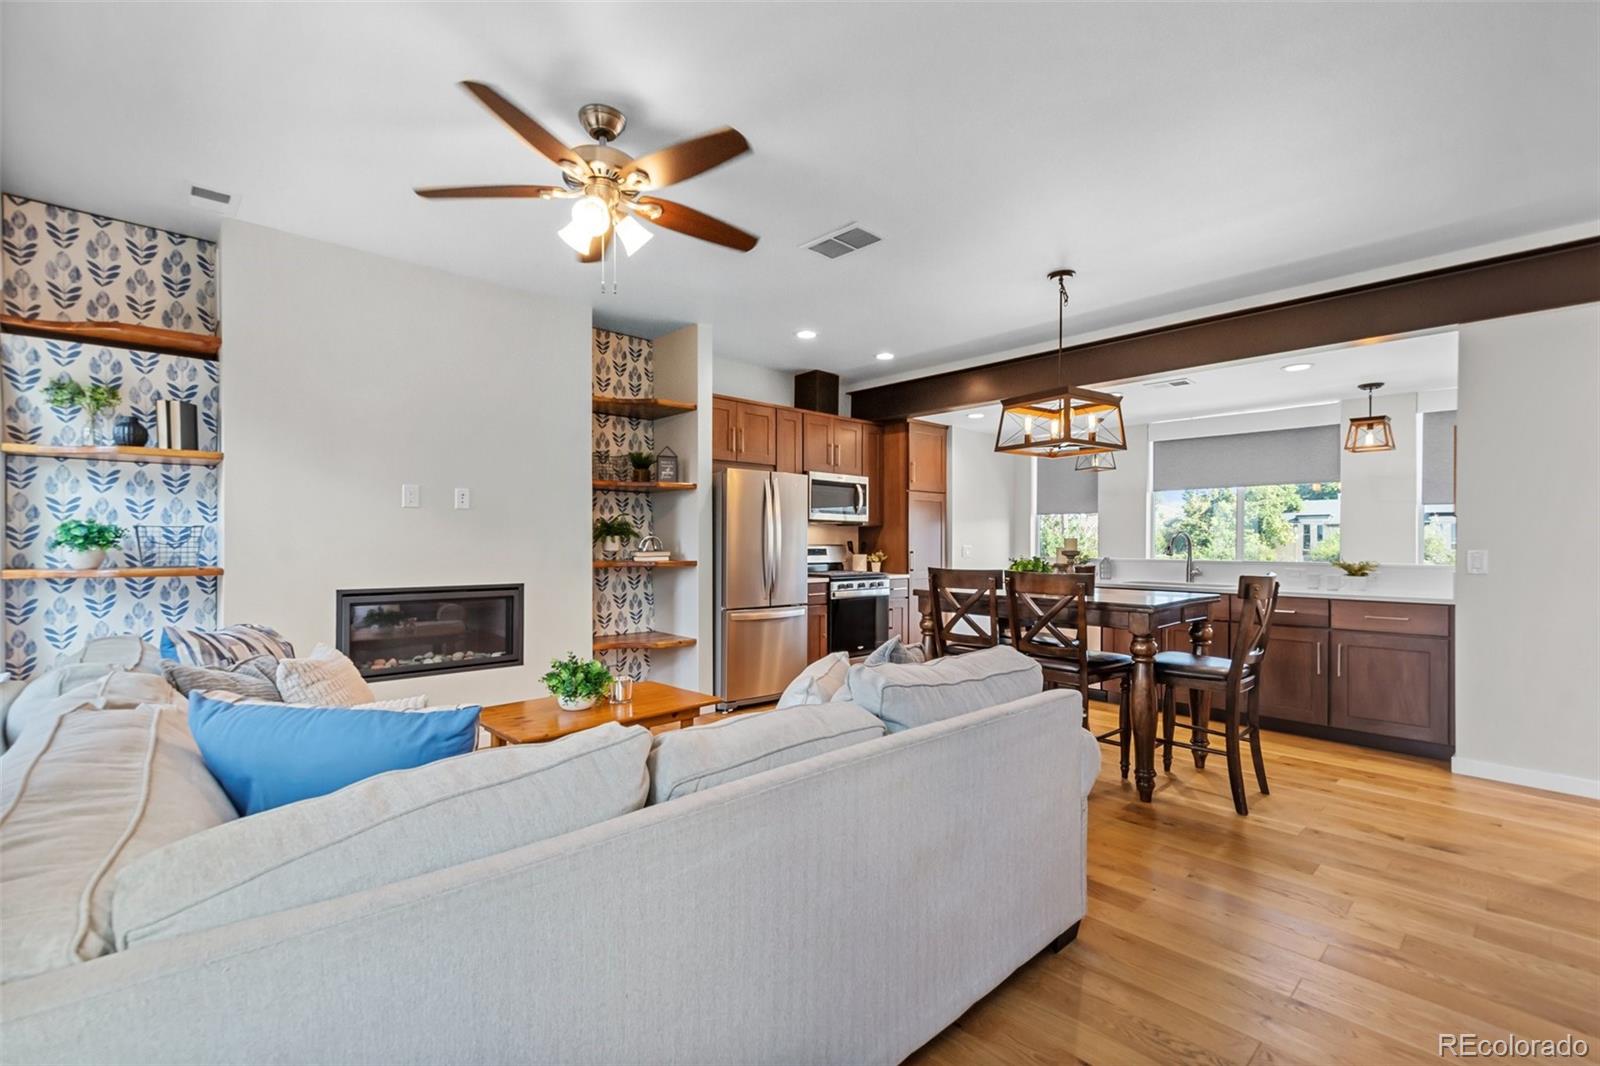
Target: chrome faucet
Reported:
[(1190, 571)]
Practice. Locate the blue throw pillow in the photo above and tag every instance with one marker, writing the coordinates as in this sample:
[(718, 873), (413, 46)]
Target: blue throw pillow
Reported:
[(265, 755)]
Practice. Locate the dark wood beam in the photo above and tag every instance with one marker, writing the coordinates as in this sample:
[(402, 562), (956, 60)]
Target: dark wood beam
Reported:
[(1539, 280)]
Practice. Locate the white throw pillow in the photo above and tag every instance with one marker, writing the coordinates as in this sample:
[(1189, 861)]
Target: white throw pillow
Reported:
[(894, 651), (82, 796), (690, 760), (913, 694), (326, 678), (818, 682), (384, 829), (398, 703)]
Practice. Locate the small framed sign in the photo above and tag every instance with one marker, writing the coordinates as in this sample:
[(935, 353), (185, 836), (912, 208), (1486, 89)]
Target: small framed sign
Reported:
[(667, 465)]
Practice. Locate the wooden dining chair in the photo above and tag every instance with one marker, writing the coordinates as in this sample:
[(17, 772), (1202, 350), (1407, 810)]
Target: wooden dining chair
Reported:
[(1235, 680), (1049, 623), (966, 609)]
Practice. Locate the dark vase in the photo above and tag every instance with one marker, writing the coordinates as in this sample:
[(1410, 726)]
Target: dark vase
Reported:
[(129, 432)]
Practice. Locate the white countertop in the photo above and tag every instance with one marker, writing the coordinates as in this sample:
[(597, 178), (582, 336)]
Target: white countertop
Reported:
[(1371, 593)]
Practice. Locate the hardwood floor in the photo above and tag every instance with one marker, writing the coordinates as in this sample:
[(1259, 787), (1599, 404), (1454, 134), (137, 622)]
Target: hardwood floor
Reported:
[(1370, 903)]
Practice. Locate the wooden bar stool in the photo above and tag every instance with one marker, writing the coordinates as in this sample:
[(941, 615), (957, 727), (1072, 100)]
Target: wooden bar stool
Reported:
[(966, 609), (1048, 623), (1236, 680)]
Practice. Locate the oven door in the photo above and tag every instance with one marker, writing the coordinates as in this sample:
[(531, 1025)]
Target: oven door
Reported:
[(839, 498), (858, 621)]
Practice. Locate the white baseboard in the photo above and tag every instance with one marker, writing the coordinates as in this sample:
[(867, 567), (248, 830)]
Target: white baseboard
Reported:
[(1516, 775)]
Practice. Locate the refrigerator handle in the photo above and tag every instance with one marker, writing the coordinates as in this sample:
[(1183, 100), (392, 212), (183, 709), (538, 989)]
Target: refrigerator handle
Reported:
[(779, 549), (766, 536)]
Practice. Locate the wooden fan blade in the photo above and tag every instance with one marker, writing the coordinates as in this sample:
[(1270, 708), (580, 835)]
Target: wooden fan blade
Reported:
[(683, 161), (692, 223), (489, 192), (597, 247), (538, 138)]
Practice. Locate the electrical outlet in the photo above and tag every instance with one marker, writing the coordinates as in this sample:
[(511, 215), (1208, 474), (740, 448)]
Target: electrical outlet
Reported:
[(410, 496), (1478, 561), (463, 499), (966, 551)]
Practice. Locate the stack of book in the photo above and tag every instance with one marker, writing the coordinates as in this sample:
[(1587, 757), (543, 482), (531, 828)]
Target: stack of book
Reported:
[(659, 556)]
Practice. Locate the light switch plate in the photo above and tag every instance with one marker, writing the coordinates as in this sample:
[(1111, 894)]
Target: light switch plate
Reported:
[(1478, 561), (463, 499), (410, 496), (966, 551)]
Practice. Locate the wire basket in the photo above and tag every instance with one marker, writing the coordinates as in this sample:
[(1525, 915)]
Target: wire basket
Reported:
[(608, 467), (162, 546)]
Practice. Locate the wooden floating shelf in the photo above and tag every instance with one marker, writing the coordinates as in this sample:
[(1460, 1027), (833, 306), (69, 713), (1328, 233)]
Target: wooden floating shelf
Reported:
[(121, 334), (629, 564), (646, 486), (650, 638), (115, 454), (121, 573), (640, 407)]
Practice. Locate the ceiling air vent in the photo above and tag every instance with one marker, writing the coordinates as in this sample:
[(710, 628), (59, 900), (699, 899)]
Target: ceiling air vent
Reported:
[(1170, 383), (220, 203), (842, 241)]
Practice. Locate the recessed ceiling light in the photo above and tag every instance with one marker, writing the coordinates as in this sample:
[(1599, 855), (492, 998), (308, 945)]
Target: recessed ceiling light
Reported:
[(806, 334), (884, 357), (1295, 368), (974, 414)]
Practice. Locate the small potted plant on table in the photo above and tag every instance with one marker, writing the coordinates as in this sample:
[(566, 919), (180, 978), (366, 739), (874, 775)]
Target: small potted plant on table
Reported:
[(641, 463), (575, 683), (1356, 574), (83, 544), (611, 533)]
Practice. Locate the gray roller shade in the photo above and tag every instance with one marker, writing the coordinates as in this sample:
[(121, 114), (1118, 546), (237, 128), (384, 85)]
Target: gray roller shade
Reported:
[(1438, 457), (1275, 457), (1065, 490)]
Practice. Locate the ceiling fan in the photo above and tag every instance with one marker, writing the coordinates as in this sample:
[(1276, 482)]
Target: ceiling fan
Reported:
[(610, 189)]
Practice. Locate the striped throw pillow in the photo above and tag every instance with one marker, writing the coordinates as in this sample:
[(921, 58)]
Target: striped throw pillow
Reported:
[(223, 647), (326, 678)]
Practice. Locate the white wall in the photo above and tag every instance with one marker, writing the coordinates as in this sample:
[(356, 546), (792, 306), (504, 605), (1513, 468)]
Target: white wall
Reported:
[(990, 499), (747, 381), (347, 374), (1125, 500), (1380, 514), (684, 598), (1526, 639)]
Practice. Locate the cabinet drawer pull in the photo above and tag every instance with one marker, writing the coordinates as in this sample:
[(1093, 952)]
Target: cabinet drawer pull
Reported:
[(1319, 660), (1338, 661), (1386, 617), (1280, 610)]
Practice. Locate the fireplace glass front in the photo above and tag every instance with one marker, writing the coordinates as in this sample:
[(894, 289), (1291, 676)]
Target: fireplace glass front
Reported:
[(404, 632)]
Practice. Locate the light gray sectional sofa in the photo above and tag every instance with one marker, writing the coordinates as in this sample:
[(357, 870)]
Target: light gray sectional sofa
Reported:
[(843, 908)]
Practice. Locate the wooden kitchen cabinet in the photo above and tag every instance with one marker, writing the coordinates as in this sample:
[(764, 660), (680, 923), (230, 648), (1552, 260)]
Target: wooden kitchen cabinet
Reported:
[(872, 442), (816, 632), (743, 432), (790, 454), (835, 445), (927, 443), (1391, 684), (818, 446), (1294, 675)]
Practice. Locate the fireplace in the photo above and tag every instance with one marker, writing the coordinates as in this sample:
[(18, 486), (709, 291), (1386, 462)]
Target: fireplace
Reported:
[(405, 632)]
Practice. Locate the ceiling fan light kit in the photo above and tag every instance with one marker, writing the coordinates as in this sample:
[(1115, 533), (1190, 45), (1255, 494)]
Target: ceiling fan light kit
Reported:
[(1065, 421), (608, 187), (1370, 433)]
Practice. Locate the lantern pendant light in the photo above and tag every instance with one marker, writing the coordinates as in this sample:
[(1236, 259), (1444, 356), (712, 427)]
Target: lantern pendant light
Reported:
[(1372, 433), (1095, 462), (1066, 421)]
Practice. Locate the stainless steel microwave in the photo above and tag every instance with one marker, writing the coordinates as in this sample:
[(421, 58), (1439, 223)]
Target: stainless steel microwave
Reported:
[(839, 498)]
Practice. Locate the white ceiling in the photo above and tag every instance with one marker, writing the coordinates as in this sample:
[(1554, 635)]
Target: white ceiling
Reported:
[(1410, 364), (1176, 155)]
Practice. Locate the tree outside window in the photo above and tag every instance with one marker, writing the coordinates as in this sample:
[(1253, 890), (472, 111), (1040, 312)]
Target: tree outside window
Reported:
[(1268, 523), (1054, 529)]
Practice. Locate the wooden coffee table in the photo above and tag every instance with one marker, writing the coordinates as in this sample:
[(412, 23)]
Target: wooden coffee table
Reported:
[(535, 721)]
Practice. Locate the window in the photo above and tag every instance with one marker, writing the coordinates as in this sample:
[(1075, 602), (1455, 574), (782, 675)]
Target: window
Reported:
[(1054, 529), (1266, 523), (1439, 488)]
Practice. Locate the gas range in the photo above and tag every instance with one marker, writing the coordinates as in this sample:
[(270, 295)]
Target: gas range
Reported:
[(828, 560)]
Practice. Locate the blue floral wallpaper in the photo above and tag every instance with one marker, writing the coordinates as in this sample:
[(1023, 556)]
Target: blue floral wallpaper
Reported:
[(70, 265), (624, 600)]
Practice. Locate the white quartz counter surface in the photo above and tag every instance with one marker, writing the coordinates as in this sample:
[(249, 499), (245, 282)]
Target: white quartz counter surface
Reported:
[(1375, 593)]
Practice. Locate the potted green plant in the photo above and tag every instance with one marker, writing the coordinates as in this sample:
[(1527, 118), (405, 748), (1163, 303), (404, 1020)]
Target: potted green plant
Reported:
[(83, 544), (1356, 574), (875, 561), (610, 533), (1031, 564), (577, 683), (97, 401), (641, 463)]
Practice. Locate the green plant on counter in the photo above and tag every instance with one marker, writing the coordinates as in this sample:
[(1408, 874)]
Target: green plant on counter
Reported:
[(878, 557), (573, 678), (85, 536), (619, 527), (1031, 564), (641, 460), (1361, 569)]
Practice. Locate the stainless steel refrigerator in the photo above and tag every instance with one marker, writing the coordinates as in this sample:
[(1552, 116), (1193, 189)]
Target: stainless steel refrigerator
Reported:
[(761, 582)]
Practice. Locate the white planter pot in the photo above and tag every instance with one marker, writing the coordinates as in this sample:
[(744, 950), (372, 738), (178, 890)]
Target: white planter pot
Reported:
[(86, 559), (1353, 584), (611, 545), (581, 704)]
